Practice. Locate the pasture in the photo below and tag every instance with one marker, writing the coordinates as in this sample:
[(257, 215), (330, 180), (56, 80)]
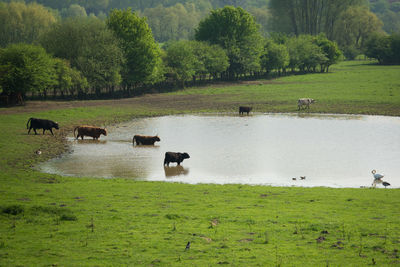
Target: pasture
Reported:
[(53, 220)]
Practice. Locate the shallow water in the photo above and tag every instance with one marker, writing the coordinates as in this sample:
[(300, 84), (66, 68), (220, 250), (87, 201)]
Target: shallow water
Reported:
[(268, 149)]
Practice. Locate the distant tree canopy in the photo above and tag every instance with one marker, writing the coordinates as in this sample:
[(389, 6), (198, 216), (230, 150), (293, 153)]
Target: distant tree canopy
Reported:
[(234, 30), (21, 23), (73, 10), (389, 13), (173, 23), (177, 19), (355, 25), (308, 16)]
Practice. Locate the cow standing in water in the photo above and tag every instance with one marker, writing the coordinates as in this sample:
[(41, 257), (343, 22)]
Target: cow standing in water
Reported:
[(175, 157), (91, 131), (244, 109), (145, 140), (34, 124)]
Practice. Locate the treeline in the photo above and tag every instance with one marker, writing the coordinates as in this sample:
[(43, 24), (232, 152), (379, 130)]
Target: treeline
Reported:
[(389, 13), (87, 57), (177, 19)]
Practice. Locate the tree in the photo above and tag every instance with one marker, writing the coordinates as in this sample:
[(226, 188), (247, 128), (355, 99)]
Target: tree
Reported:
[(386, 49), (210, 59), (274, 57), (262, 17), (90, 48), (330, 49), (69, 80), (73, 10), (391, 21), (235, 31), (173, 23), (180, 61), (26, 68), (21, 23), (355, 25), (308, 16), (304, 54), (136, 40)]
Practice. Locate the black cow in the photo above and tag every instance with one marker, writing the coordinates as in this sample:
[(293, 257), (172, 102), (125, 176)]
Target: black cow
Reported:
[(175, 157), (41, 124), (244, 109)]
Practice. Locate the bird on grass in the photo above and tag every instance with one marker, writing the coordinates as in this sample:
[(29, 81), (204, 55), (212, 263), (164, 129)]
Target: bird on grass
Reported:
[(385, 184), (187, 246), (377, 178)]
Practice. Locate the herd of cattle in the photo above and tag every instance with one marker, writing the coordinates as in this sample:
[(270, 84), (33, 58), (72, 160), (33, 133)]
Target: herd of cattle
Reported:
[(95, 132)]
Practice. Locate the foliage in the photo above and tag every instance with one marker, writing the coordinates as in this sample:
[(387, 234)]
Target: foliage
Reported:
[(173, 23), (74, 10), (330, 50), (190, 59), (26, 68), (89, 47), (181, 61), (211, 59), (386, 49), (274, 57), (69, 80), (141, 52), (308, 17), (304, 53), (20, 22), (235, 30), (389, 13), (262, 16), (355, 25)]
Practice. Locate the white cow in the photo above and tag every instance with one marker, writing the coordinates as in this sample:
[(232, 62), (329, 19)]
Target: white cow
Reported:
[(305, 102)]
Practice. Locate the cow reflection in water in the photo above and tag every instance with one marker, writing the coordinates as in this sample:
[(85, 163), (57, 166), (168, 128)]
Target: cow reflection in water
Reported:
[(91, 141), (175, 171)]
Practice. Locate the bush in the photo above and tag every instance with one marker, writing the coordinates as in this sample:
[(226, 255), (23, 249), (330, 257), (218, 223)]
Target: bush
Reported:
[(351, 52)]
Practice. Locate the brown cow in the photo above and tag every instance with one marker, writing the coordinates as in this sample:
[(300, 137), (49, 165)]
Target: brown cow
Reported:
[(91, 131), (145, 140)]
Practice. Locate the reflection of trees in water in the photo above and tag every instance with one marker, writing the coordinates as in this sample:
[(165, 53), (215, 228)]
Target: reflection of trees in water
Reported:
[(175, 171)]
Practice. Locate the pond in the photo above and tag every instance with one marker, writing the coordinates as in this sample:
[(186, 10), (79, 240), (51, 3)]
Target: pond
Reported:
[(262, 149)]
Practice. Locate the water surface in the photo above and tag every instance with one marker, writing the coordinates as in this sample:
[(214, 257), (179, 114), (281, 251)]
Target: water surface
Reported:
[(267, 149)]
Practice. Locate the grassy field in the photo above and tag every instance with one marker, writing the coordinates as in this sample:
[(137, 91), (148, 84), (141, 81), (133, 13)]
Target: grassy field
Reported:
[(68, 221)]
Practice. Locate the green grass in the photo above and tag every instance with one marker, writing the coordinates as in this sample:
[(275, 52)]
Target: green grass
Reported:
[(52, 220), (354, 87)]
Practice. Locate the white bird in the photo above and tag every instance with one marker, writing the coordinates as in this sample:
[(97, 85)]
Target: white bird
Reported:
[(377, 178), (376, 175)]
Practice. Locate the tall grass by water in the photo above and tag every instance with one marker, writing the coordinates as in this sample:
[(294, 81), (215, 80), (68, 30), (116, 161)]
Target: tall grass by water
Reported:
[(52, 220)]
